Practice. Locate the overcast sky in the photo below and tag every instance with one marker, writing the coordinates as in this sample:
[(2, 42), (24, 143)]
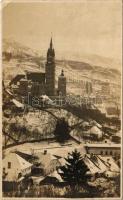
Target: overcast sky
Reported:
[(89, 27)]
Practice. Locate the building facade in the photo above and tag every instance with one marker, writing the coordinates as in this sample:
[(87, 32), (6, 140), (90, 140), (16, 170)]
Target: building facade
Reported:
[(103, 149)]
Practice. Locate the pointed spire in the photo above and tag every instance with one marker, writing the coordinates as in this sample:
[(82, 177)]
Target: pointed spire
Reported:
[(51, 44), (51, 51)]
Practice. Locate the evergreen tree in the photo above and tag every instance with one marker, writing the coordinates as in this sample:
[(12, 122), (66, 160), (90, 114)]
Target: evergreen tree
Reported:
[(74, 172), (62, 130)]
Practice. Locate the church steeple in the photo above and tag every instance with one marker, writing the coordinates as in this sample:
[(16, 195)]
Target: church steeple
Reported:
[(51, 52), (51, 43), (50, 70)]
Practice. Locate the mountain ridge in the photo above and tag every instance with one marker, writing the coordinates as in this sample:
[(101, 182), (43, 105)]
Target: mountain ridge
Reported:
[(74, 70)]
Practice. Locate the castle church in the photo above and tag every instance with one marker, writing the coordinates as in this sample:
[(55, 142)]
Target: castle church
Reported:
[(38, 83)]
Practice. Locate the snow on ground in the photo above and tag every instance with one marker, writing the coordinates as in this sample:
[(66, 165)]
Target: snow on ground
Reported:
[(54, 148)]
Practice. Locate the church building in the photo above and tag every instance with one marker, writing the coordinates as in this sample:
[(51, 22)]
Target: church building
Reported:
[(38, 83)]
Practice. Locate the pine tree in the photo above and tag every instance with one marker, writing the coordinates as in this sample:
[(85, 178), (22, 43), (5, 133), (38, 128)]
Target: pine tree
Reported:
[(74, 172)]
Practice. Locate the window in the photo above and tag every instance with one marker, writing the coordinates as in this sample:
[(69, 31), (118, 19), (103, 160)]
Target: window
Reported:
[(101, 152), (106, 153), (111, 153), (9, 165)]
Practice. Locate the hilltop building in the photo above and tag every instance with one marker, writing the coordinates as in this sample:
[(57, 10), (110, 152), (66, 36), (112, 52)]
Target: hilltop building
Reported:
[(38, 83)]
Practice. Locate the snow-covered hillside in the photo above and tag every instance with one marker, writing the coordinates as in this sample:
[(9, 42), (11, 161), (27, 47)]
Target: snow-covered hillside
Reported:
[(24, 58)]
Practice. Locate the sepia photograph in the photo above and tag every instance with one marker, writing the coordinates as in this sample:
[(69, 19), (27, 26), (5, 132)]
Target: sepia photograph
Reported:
[(61, 99)]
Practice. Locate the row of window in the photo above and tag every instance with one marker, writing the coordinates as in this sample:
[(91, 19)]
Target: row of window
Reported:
[(112, 153)]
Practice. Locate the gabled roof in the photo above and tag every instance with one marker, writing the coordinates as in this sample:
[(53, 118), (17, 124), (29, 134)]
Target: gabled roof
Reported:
[(17, 161), (45, 159), (110, 163), (100, 164), (18, 165), (91, 166)]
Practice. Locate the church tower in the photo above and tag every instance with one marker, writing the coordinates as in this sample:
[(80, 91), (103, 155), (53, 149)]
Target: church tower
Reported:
[(62, 84), (50, 71)]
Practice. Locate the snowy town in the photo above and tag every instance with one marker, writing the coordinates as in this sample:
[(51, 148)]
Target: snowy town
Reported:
[(38, 139), (61, 125)]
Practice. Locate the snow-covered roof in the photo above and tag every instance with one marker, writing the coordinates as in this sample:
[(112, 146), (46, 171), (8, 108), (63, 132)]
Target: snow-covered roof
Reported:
[(17, 161), (18, 165), (95, 131), (91, 166), (62, 161), (110, 163), (100, 164), (45, 158), (103, 145)]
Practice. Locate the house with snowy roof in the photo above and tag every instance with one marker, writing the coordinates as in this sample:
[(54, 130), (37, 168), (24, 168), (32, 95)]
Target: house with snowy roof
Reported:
[(98, 165), (47, 162), (94, 132), (15, 167)]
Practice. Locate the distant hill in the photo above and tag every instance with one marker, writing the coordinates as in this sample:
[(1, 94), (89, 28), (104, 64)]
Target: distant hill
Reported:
[(24, 58), (16, 48)]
